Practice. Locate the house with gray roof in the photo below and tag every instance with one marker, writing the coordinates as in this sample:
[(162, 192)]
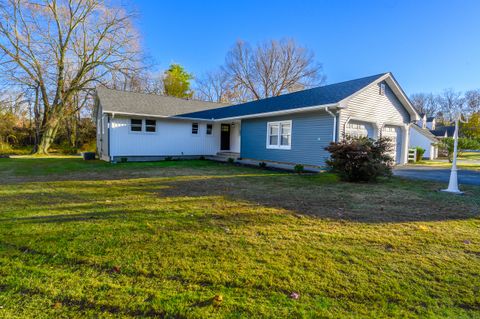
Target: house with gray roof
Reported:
[(293, 128)]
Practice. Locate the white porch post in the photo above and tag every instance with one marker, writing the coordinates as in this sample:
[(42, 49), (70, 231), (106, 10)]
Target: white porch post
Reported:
[(406, 143)]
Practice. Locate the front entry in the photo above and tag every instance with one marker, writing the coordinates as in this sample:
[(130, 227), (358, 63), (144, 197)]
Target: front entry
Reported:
[(225, 137)]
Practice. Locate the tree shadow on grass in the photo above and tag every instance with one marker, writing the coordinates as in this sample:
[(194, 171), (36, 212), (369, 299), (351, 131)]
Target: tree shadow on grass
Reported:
[(320, 195)]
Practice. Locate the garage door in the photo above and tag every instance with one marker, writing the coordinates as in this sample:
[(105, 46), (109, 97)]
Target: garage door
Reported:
[(395, 134), (359, 129)]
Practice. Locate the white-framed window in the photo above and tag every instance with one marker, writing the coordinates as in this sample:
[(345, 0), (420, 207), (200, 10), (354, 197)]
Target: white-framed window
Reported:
[(194, 128), (209, 129), (382, 88), (279, 135), (135, 125), (150, 126)]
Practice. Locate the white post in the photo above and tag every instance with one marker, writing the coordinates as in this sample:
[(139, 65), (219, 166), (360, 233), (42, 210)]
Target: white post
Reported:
[(453, 183)]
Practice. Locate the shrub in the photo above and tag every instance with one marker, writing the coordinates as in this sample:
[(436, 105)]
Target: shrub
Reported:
[(201, 158), (299, 168), (231, 160), (361, 159), (420, 152), (262, 164), (168, 158), (447, 144)]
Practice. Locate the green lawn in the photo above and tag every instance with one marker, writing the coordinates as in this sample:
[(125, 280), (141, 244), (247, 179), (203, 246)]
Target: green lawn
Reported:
[(466, 160), (92, 239)]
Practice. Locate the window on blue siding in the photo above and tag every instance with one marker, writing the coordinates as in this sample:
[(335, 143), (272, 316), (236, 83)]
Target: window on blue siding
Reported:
[(279, 135), (150, 126), (209, 129), (135, 125)]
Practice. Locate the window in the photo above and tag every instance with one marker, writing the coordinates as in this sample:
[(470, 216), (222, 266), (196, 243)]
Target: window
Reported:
[(279, 135), (135, 125), (209, 129), (150, 126), (194, 128), (382, 88)]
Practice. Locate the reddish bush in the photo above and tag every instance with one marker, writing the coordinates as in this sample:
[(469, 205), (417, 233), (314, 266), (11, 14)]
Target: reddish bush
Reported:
[(361, 159)]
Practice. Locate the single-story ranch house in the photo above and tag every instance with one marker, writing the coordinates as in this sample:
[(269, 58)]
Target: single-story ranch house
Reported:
[(292, 128)]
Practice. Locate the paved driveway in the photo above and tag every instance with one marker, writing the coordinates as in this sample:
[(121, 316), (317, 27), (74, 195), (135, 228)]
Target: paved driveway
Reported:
[(437, 174)]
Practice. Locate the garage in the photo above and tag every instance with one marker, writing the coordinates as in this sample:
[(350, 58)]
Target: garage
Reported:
[(395, 134), (356, 129)]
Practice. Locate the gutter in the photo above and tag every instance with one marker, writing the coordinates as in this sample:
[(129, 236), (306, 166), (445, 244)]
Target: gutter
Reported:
[(265, 114), (334, 135)]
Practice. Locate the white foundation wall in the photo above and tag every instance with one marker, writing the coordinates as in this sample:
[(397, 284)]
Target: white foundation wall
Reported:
[(172, 138)]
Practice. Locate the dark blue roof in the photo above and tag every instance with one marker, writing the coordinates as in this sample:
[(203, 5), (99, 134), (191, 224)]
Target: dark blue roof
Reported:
[(322, 95)]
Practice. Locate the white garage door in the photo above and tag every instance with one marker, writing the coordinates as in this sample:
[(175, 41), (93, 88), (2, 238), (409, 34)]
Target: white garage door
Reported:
[(395, 134), (359, 129)]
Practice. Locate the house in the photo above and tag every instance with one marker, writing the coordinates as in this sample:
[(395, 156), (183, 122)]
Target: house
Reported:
[(291, 128), (421, 136)]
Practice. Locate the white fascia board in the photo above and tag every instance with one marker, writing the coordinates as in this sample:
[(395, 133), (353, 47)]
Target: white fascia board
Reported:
[(266, 114), (155, 116)]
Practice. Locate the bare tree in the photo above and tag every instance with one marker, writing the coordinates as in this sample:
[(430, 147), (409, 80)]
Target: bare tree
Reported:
[(425, 103), (62, 47), (472, 100), (213, 86), (450, 103), (272, 68)]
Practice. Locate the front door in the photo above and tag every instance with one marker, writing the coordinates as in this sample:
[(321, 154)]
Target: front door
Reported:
[(225, 137)]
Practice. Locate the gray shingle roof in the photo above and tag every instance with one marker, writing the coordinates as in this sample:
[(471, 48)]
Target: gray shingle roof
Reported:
[(322, 95), (425, 132), (149, 104)]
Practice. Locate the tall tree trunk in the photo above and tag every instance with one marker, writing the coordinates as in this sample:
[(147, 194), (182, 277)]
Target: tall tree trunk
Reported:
[(47, 136)]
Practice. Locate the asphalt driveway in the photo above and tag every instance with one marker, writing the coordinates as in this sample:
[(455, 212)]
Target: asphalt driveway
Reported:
[(437, 174)]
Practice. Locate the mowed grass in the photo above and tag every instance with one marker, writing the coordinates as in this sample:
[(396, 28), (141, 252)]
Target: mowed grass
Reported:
[(466, 160), (92, 239)]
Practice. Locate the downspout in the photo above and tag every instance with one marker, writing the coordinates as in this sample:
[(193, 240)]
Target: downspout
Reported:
[(334, 135), (108, 138)]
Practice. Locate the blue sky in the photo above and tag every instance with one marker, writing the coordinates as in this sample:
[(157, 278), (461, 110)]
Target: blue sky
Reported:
[(428, 45)]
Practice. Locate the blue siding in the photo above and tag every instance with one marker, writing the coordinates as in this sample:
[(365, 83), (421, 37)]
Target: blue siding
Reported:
[(311, 133)]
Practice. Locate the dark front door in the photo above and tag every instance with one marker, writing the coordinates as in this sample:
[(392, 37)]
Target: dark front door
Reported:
[(225, 137)]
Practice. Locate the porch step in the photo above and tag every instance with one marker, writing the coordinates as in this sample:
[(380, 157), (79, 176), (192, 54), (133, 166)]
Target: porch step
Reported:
[(233, 155)]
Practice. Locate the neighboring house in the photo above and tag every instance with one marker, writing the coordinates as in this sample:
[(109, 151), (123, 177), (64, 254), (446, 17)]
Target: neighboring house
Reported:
[(421, 136), (425, 139), (293, 128)]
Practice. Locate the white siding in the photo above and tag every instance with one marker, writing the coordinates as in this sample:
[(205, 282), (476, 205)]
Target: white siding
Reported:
[(172, 138), (380, 110), (418, 139), (235, 137)]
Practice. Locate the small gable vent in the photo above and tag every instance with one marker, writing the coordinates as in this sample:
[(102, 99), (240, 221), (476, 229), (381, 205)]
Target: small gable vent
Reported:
[(382, 88)]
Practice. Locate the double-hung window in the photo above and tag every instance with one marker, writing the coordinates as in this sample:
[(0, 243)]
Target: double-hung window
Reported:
[(150, 126), (209, 129), (135, 125), (279, 135), (194, 128)]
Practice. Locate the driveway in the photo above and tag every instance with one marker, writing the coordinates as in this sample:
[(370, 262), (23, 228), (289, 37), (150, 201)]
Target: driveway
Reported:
[(437, 174)]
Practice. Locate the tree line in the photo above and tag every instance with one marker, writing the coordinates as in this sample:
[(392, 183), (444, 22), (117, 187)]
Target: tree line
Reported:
[(445, 105)]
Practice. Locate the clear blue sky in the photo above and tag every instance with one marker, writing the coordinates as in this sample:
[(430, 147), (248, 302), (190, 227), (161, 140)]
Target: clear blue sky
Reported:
[(428, 45)]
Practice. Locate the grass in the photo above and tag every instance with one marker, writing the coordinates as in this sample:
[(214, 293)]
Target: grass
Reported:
[(92, 239), (466, 160)]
